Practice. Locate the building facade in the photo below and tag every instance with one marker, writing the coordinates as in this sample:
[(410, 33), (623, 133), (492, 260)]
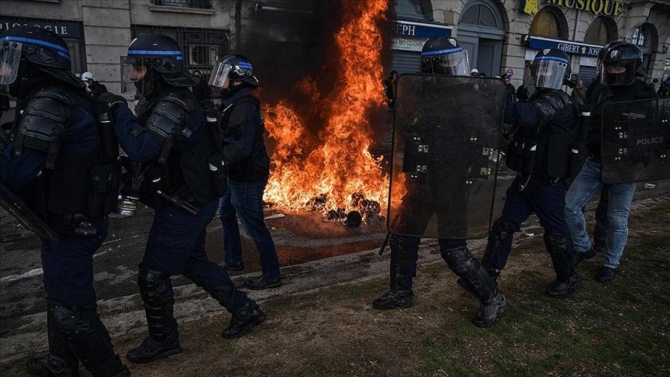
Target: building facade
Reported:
[(499, 34), (98, 32), (506, 34)]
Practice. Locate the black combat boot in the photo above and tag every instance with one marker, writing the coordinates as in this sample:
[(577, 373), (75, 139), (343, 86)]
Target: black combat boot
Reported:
[(394, 299), (243, 320), (163, 340), (491, 311), (499, 232), (493, 302), (400, 294), (561, 258), (151, 350), (560, 289), (52, 366)]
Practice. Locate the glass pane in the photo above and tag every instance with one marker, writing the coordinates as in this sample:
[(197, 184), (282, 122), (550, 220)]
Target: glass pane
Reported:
[(642, 36), (598, 32), (471, 16), (408, 7), (546, 24), (486, 17)]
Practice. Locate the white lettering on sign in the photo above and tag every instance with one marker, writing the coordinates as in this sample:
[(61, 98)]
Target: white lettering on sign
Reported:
[(635, 115), (58, 29), (650, 140)]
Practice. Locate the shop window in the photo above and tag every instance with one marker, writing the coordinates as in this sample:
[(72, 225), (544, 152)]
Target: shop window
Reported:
[(600, 32), (547, 23), (480, 15), (412, 9), (642, 37)]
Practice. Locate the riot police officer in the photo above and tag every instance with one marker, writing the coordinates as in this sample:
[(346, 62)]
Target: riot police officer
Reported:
[(57, 165), (178, 152), (440, 56), (542, 160), (619, 64)]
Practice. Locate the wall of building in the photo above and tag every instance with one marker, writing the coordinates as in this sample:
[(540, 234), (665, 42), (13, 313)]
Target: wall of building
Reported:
[(517, 26), (107, 25)]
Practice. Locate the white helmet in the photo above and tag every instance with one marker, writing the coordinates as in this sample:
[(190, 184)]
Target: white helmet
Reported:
[(87, 76)]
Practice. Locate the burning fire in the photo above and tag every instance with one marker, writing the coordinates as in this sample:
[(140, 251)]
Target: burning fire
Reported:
[(334, 169)]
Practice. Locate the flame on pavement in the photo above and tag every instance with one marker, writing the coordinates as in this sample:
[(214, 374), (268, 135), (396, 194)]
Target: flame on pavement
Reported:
[(334, 165)]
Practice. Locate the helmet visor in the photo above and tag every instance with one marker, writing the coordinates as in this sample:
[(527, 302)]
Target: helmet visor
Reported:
[(617, 73), (219, 77), (448, 62), (10, 58), (546, 72)]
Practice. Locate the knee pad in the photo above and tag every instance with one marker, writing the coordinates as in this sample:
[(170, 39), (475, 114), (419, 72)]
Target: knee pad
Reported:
[(458, 259), (70, 322), (155, 287)]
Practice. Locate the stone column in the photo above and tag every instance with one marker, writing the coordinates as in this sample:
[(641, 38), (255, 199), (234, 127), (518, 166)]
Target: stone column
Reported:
[(107, 35)]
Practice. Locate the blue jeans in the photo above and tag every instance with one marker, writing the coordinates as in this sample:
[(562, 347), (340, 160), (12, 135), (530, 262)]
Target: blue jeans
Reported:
[(585, 186), (245, 200)]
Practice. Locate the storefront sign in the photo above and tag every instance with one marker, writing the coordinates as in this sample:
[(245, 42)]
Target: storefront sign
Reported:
[(574, 48), (597, 7), (64, 29), (411, 36)]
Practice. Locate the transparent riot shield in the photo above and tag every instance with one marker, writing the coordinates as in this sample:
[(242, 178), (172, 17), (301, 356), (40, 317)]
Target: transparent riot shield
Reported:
[(636, 141), (445, 152), (15, 207)]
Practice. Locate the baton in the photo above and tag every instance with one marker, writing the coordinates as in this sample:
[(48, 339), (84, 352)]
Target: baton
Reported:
[(178, 202)]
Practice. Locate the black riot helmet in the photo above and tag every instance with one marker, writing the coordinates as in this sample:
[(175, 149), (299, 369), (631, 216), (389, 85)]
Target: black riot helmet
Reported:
[(549, 69), (154, 59), (618, 63), (232, 68), (27, 52), (443, 55)]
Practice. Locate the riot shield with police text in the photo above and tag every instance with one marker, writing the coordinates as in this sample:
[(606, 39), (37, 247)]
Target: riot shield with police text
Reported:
[(445, 151), (636, 141), (15, 207)]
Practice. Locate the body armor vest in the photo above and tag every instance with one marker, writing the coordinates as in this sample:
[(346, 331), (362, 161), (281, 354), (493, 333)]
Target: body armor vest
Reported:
[(166, 117), (537, 151), (72, 182)]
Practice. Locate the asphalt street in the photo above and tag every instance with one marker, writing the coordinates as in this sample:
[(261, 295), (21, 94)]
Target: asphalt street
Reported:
[(313, 254)]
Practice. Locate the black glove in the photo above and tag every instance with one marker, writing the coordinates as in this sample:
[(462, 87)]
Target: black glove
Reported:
[(209, 108), (112, 100)]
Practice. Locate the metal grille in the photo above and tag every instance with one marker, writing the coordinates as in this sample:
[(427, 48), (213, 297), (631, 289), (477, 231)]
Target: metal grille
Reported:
[(204, 4)]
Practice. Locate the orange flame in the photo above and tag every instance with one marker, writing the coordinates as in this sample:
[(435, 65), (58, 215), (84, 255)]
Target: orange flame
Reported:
[(335, 164)]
